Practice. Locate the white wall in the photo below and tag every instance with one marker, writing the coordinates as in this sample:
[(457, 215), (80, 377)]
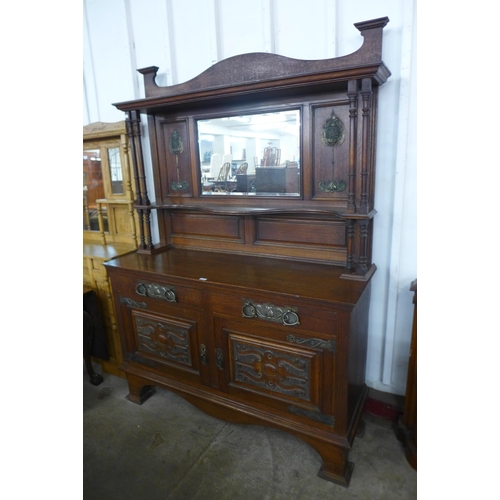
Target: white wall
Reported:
[(185, 37)]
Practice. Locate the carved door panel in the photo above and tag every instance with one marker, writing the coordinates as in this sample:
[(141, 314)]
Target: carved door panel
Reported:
[(166, 341), (269, 365)]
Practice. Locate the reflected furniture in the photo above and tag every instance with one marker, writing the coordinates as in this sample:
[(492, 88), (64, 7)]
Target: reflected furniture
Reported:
[(110, 223), (242, 169), (272, 157), (276, 179), (254, 306), (222, 183)]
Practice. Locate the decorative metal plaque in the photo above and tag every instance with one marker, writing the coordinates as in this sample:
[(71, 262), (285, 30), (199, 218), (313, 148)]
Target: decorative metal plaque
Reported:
[(265, 368), (175, 144), (176, 147), (332, 186), (156, 291), (166, 340), (329, 345), (333, 134), (286, 315), (313, 415), (133, 303), (179, 185)]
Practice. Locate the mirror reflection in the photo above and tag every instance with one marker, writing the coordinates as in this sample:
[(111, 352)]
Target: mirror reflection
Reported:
[(255, 154), (93, 190), (115, 171)]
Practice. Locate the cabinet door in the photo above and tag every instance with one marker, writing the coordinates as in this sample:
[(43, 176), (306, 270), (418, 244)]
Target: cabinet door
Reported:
[(161, 336), (271, 366)]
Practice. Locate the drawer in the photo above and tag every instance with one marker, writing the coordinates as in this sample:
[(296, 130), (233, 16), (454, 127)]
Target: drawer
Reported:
[(157, 293), (275, 310)]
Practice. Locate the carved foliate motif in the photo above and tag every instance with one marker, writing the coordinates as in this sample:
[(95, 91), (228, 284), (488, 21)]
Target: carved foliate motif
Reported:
[(272, 370), (168, 341)]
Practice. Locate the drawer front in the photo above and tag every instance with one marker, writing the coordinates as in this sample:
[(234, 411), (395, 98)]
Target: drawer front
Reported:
[(156, 294), (279, 370), (274, 310)]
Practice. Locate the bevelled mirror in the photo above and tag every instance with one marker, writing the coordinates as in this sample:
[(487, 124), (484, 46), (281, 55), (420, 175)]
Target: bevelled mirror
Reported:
[(253, 155)]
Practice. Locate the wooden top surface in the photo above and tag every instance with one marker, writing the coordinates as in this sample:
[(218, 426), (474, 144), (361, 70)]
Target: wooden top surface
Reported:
[(297, 279), (110, 251)]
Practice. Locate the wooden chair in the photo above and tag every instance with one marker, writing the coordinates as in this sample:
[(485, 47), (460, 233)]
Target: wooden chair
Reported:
[(224, 172), (242, 169), (221, 183)]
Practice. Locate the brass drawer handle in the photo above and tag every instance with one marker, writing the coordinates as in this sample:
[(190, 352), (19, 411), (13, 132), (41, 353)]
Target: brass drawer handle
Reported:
[(286, 315), (291, 318), (156, 292), (248, 310)]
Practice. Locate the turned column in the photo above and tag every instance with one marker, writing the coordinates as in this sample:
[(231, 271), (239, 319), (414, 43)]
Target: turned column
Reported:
[(366, 94), (352, 93), (133, 124)]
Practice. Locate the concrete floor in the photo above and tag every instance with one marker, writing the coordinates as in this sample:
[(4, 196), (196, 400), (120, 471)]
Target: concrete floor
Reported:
[(166, 449)]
